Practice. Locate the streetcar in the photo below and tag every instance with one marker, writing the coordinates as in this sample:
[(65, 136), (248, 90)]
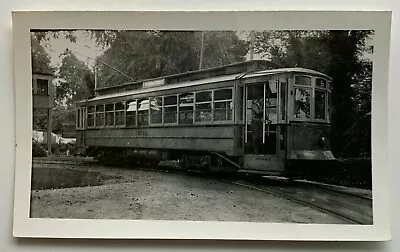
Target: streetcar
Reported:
[(251, 117)]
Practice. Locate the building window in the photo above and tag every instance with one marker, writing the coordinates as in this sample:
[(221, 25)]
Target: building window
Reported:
[(170, 109), (131, 113), (186, 106), (143, 112), (203, 106), (156, 110), (223, 105), (42, 87)]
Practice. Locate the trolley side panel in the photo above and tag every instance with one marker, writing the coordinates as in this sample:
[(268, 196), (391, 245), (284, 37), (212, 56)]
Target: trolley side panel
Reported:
[(204, 138)]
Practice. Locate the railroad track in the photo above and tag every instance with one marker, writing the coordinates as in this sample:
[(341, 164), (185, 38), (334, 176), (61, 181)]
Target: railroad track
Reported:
[(350, 207), (61, 162)]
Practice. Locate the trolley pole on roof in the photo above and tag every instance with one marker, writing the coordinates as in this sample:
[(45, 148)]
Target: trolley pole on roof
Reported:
[(201, 51)]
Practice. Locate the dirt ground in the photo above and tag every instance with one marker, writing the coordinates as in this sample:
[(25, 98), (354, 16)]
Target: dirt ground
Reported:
[(121, 193)]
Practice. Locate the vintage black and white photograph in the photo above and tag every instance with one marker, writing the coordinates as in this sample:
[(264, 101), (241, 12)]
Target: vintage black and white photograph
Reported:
[(223, 126), (253, 126)]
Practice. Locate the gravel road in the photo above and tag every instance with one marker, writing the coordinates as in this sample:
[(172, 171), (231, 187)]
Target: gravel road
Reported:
[(155, 195)]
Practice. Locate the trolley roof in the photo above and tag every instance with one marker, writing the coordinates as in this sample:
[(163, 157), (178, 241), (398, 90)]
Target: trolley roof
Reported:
[(235, 68), (211, 80)]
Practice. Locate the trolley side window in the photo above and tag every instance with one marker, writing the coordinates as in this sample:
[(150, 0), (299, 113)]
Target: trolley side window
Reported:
[(143, 112), (156, 110), (110, 115), (186, 108), (131, 108), (90, 116), (204, 106), (80, 118), (120, 114), (100, 115), (170, 109), (223, 105)]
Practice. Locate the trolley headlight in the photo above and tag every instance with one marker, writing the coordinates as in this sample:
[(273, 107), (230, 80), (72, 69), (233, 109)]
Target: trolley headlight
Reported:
[(322, 141)]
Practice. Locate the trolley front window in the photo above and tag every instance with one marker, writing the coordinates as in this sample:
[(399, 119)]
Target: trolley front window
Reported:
[(320, 104), (311, 103), (302, 103)]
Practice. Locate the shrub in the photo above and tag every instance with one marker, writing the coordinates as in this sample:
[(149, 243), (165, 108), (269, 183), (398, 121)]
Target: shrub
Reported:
[(351, 172), (38, 150)]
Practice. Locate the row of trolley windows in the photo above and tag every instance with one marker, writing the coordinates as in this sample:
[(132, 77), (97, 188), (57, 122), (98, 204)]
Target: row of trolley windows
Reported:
[(302, 98), (187, 108)]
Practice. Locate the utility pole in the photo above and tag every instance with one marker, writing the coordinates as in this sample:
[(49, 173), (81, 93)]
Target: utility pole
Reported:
[(103, 63), (252, 45), (201, 51), (95, 77)]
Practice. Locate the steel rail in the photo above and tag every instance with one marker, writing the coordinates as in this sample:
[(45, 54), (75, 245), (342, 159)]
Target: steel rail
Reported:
[(287, 197)]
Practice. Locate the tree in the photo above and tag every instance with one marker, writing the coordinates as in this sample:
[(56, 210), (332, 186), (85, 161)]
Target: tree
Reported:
[(40, 59), (150, 54), (337, 54), (76, 80), (306, 49), (348, 71)]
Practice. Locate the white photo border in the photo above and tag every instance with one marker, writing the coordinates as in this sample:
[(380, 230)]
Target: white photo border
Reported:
[(24, 226)]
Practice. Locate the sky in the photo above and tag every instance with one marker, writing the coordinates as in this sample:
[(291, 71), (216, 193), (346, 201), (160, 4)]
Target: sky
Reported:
[(85, 49)]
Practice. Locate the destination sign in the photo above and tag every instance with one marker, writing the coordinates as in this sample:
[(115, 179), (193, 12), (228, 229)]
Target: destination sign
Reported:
[(153, 83)]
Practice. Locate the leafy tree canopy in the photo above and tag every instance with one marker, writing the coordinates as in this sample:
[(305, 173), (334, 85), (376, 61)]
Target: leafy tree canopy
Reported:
[(76, 79), (150, 54), (40, 59)]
